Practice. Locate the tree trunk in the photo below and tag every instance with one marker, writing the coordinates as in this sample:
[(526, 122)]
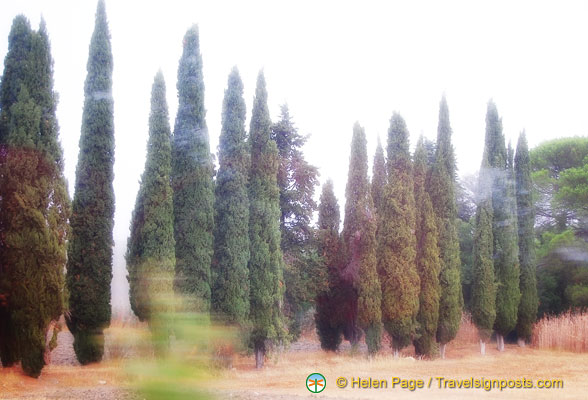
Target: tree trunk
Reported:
[(499, 342), (442, 350), (521, 342), (259, 356), (396, 354), (482, 347)]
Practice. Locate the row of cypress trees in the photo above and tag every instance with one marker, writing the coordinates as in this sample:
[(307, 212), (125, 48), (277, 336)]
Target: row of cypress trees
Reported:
[(224, 255), (396, 263), (504, 294)]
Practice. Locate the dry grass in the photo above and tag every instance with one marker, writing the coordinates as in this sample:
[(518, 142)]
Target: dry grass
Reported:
[(567, 332), (285, 374), (468, 333)]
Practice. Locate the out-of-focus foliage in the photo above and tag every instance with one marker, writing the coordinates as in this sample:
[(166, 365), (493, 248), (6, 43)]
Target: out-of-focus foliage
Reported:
[(562, 272)]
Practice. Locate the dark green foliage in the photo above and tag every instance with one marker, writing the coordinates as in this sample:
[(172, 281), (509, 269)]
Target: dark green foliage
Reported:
[(528, 305), (362, 252), (89, 265), (442, 189), (504, 226), (297, 180), (192, 184), (328, 317), (483, 285), (556, 202), (466, 255), (397, 241), (379, 177), (427, 257), (34, 201), (561, 272), (230, 296), (151, 246), (266, 262), (355, 192)]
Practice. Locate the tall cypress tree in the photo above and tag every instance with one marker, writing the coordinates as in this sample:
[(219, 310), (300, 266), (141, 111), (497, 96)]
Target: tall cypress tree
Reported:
[(442, 191), (529, 303), (151, 246), (483, 283), (427, 256), (265, 263), (397, 241), (328, 316), (504, 228), (361, 244), (379, 176), (230, 296), (35, 203), (89, 263), (192, 172), (355, 192)]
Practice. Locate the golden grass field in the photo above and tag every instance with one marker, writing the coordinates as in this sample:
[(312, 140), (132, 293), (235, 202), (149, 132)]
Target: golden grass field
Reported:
[(285, 373)]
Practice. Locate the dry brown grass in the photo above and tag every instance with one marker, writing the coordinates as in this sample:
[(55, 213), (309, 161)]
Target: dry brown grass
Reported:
[(567, 332), (285, 374)]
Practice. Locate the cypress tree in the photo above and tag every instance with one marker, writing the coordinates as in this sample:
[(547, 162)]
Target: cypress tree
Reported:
[(529, 303), (265, 263), (397, 241), (379, 177), (355, 193), (230, 296), (442, 191), (483, 284), (427, 257), (504, 228), (89, 268), (34, 201), (151, 246), (192, 184), (328, 316), (361, 244)]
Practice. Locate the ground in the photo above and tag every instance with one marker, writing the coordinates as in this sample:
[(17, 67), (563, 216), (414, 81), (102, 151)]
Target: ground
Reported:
[(285, 374)]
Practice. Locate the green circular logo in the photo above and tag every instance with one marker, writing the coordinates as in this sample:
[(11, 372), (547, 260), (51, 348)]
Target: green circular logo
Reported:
[(316, 383)]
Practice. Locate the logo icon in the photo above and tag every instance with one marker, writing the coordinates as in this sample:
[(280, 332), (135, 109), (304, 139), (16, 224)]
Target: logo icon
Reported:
[(316, 383)]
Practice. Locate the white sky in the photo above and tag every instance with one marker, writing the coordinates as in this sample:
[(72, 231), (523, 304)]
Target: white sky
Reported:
[(333, 62)]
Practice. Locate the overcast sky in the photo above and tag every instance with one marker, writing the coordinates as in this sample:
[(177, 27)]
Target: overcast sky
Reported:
[(334, 63)]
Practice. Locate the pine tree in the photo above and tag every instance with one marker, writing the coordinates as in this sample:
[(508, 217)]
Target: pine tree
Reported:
[(528, 305), (379, 177), (397, 242), (192, 184), (230, 296), (361, 270), (427, 257), (89, 269), (265, 263), (442, 191), (34, 201), (328, 317), (504, 228), (483, 282), (151, 246), (297, 180)]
